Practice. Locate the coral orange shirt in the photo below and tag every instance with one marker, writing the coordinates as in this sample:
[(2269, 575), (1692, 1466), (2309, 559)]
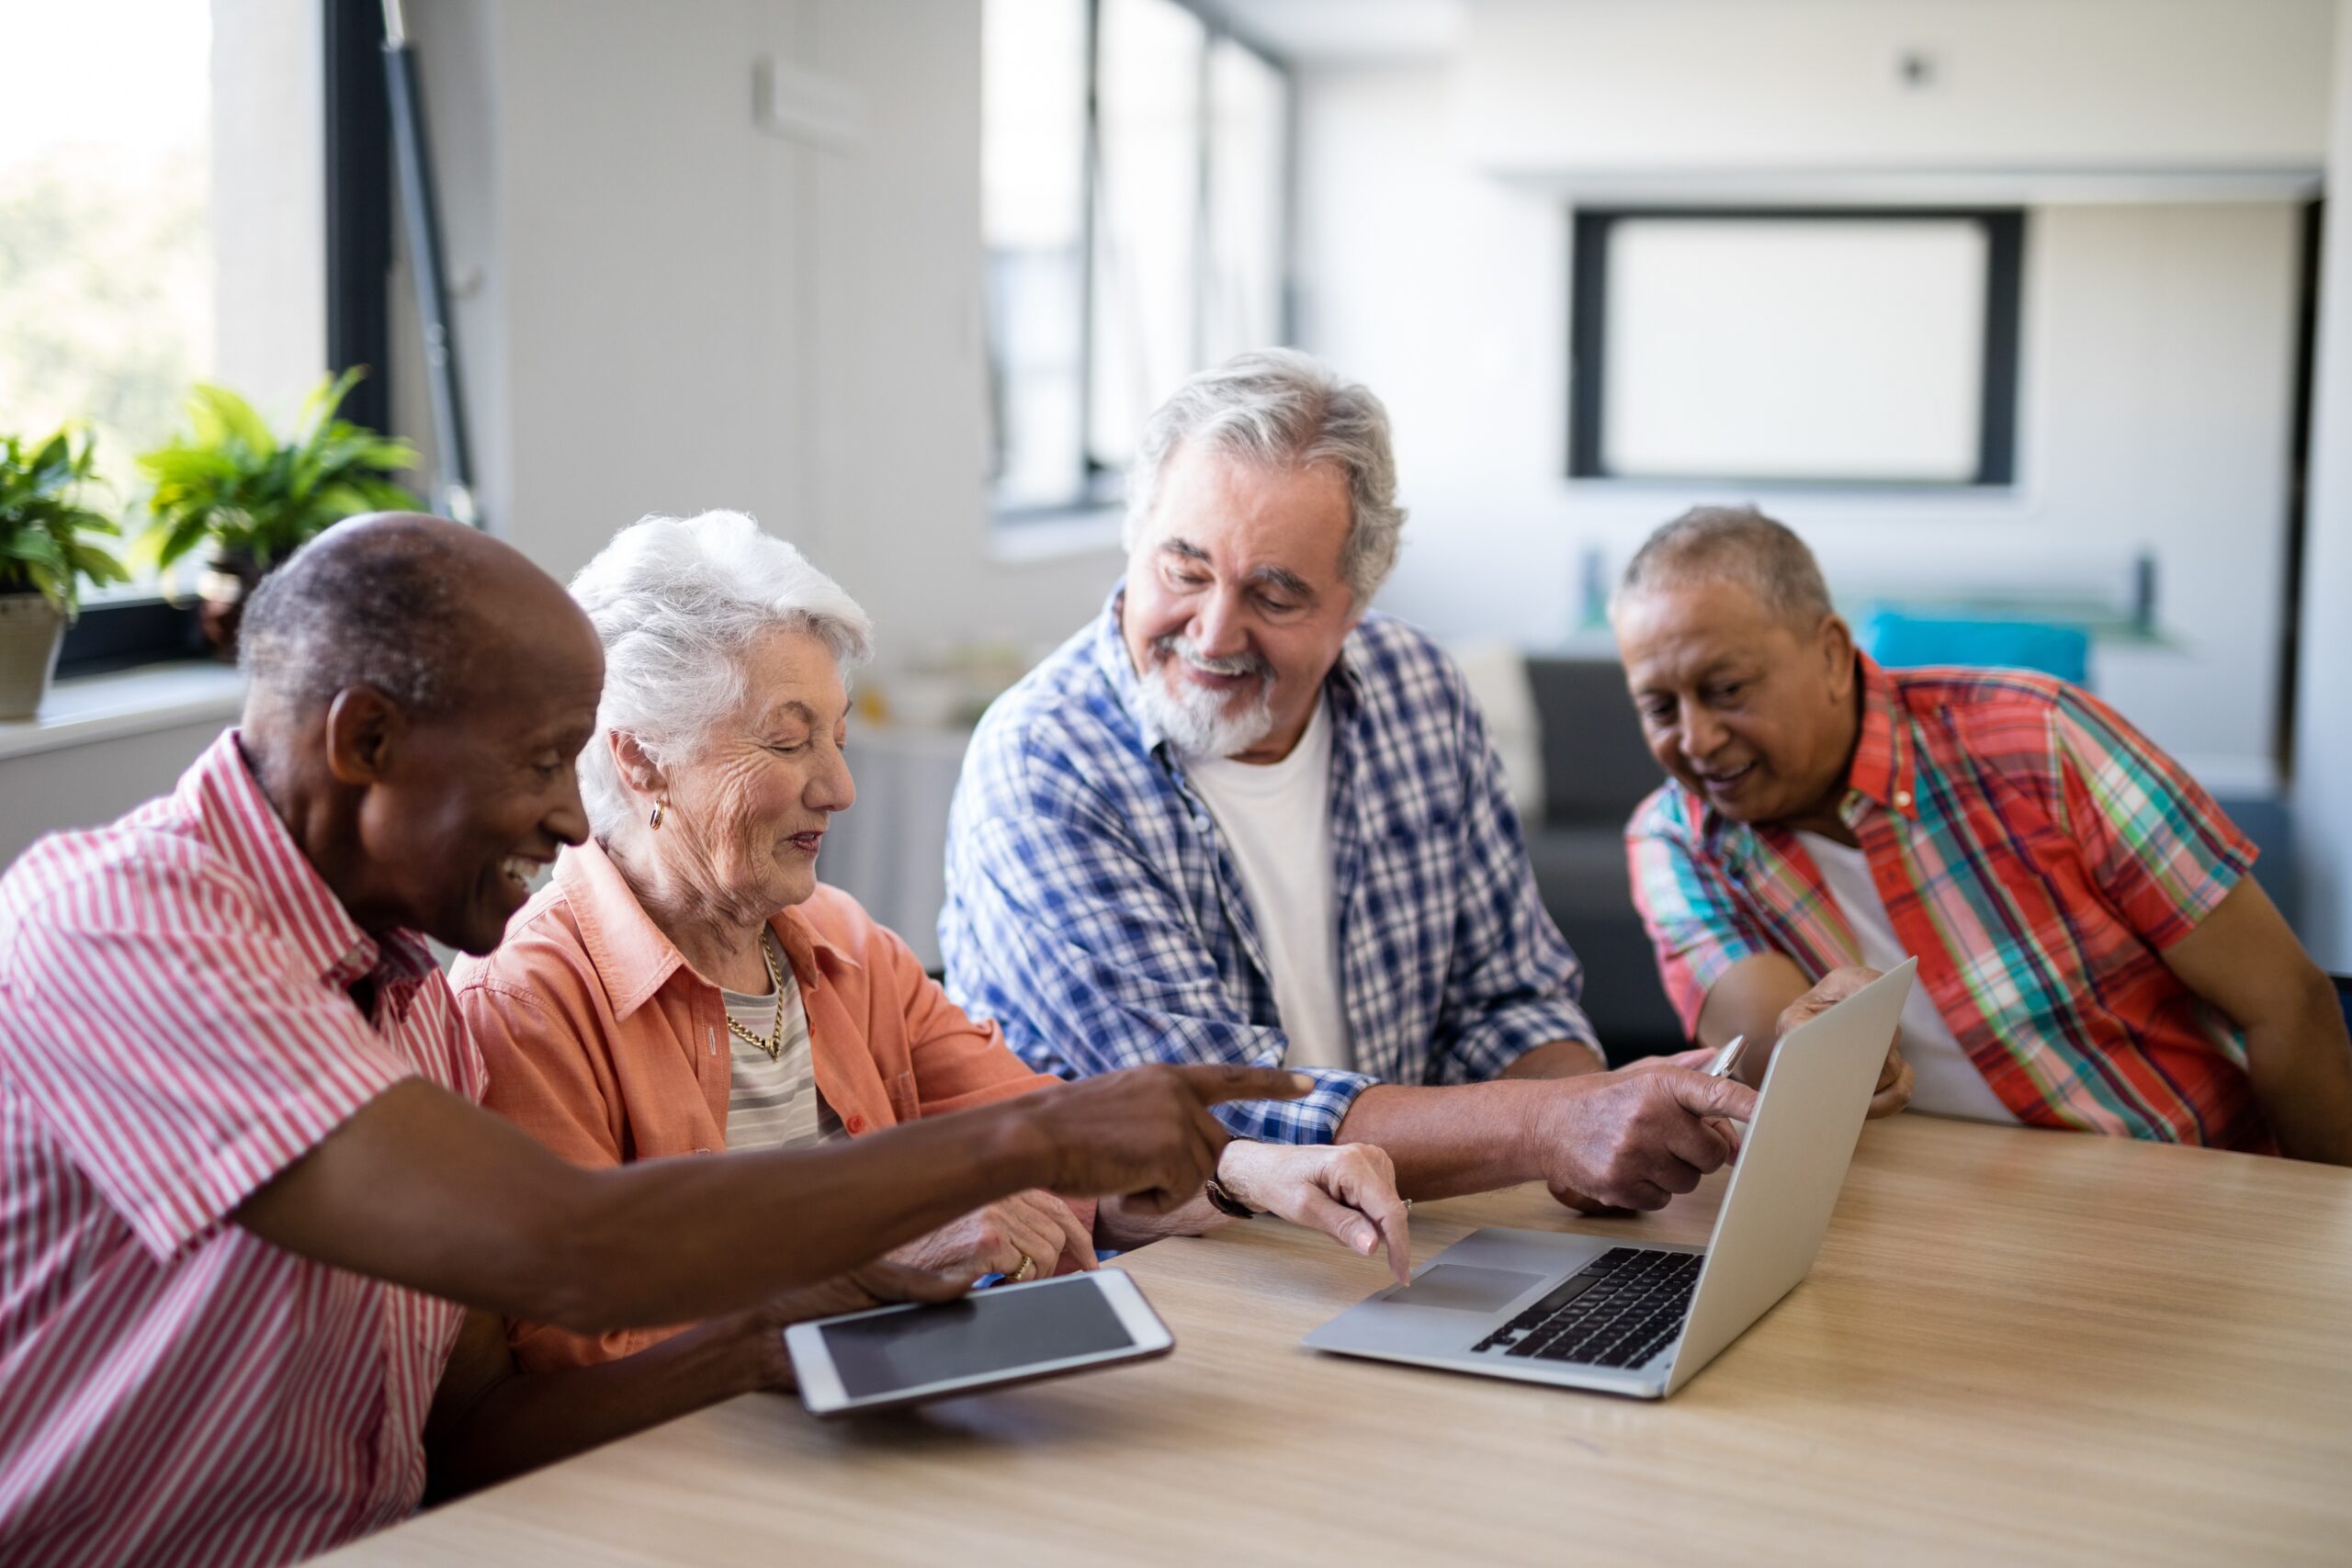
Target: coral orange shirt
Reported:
[(605, 1045)]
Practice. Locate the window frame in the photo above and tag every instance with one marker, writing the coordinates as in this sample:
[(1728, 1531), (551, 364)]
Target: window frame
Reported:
[(1589, 229), (1099, 484), (123, 633)]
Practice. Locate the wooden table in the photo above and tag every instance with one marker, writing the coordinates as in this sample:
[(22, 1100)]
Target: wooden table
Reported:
[(2017, 1347)]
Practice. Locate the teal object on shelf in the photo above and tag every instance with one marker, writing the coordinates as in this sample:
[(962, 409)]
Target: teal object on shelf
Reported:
[(1900, 640)]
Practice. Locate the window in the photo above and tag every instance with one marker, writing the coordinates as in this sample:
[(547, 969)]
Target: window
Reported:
[(162, 221), (106, 246), (1135, 171), (1807, 347)]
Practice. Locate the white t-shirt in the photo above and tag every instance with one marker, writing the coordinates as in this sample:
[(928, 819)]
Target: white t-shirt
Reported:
[(1946, 1083), (1276, 818)]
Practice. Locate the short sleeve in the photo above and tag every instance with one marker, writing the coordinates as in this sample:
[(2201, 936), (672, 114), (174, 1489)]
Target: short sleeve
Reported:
[(181, 1067), (2158, 845), (1696, 927)]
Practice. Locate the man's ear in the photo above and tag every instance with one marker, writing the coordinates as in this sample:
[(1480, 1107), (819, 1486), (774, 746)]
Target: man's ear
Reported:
[(635, 763), (1837, 646), (364, 732)]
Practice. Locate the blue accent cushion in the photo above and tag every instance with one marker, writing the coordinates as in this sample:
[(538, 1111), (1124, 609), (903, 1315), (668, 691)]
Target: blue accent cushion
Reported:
[(1900, 640)]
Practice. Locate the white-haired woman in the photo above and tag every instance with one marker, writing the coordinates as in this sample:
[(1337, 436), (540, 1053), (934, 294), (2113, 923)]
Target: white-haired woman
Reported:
[(684, 985)]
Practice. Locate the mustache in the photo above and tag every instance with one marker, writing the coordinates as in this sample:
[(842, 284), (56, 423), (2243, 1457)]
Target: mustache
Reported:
[(1184, 647)]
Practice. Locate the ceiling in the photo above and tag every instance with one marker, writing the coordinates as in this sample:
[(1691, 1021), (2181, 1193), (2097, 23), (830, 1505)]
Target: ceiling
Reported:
[(1347, 32)]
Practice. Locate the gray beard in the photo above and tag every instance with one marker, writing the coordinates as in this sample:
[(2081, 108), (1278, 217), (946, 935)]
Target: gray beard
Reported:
[(1196, 722)]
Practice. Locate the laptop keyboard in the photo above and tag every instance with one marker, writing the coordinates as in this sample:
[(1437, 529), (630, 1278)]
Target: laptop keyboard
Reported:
[(1624, 1307)]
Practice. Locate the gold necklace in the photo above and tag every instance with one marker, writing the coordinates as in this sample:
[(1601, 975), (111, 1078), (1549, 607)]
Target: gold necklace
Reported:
[(774, 1043)]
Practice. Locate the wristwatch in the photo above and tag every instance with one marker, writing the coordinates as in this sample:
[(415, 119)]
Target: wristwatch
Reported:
[(1227, 1204)]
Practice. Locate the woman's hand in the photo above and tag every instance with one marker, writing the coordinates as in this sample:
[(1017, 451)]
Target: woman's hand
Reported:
[(996, 1239), (879, 1283), (1346, 1190)]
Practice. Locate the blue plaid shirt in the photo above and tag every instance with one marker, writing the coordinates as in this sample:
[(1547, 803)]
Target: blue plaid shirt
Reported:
[(1095, 912)]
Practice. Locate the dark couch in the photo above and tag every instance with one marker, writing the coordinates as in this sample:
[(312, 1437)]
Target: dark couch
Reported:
[(1596, 770)]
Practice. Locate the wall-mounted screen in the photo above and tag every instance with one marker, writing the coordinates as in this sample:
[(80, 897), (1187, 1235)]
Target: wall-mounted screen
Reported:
[(1807, 347)]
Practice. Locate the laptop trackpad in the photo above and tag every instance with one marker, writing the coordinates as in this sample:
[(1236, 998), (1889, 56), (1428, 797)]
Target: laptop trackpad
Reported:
[(1463, 1287)]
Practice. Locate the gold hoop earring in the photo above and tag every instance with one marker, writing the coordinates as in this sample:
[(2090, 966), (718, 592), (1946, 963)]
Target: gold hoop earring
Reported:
[(658, 808)]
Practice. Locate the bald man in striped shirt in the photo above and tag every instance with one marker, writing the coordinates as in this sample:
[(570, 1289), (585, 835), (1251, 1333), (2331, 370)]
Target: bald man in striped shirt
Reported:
[(246, 1195)]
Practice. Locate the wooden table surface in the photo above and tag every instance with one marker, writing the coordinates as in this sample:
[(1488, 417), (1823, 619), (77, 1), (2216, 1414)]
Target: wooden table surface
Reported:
[(2016, 1347)]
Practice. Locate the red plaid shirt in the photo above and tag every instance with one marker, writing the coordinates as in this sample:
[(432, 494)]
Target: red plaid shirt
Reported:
[(2036, 853)]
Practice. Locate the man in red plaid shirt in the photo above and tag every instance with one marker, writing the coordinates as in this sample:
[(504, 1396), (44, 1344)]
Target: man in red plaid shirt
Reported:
[(2092, 954)]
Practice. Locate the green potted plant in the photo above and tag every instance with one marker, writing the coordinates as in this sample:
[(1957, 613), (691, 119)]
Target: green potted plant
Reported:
[(232, 484), (45, 555)]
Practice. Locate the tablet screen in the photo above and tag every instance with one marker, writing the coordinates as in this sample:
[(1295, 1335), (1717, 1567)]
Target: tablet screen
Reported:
[(989, 1332)]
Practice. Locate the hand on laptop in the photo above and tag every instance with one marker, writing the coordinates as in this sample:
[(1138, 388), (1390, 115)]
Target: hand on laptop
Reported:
[(1895, 1080), (1635, 1137)]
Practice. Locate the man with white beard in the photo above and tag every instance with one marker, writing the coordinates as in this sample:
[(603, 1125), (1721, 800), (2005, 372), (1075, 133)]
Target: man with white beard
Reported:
[(1239, 817)]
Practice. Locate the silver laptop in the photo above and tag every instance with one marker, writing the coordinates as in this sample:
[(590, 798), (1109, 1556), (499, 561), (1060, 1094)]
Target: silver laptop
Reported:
[(1643, 1318)]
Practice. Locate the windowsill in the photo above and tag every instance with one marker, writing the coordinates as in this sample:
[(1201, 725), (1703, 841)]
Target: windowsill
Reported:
[(1088, 531), (85, 708)]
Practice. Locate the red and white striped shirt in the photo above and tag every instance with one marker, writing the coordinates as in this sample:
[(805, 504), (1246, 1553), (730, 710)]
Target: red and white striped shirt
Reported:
[(174, 1030)]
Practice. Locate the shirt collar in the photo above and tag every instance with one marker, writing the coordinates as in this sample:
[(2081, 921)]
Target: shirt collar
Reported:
[(1344, 683), (635, 958), (224, 797), (1885, 764)]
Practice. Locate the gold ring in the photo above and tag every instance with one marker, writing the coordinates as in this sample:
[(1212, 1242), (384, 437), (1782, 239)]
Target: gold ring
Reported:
[(1028, 1266)]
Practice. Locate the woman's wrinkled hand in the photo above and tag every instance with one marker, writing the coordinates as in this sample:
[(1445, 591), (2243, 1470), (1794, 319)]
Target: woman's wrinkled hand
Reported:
[(997, 1237)]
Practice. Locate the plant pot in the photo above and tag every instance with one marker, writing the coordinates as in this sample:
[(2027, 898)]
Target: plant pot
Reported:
[(228, 581), (31, 630)]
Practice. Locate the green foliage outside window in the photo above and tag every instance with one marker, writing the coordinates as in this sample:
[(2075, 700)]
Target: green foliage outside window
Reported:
[(45, 544)]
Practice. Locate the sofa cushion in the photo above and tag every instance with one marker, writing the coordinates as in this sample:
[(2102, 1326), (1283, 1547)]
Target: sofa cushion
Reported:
[(1596, 768)]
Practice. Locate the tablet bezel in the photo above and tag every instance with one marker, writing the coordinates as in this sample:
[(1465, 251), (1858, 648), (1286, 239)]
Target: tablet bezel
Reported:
[(820, 1384)]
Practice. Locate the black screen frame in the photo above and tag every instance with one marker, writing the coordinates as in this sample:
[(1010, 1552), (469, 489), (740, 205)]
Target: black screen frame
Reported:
[(2004, 232)]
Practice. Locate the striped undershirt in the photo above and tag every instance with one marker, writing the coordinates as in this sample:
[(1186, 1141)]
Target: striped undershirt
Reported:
[(773, 1103)]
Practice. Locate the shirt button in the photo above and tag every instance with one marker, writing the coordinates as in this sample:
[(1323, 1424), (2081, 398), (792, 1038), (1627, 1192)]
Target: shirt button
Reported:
[(855, 1124), (1902, 797)]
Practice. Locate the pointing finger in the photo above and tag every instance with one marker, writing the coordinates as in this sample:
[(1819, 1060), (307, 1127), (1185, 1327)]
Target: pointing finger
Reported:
[(1215, 1082)]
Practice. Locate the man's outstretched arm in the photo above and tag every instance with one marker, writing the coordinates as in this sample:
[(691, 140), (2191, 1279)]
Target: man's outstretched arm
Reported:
[(424, 1189)]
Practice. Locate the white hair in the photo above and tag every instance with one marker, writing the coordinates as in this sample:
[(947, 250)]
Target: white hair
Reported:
[(677, 602), (1278, 408)]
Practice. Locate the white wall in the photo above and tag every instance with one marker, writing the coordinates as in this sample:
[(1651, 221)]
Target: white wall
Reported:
[(78, 786), (269, 200), (2158, 356), (2323, 698), (665, 307), (2127, 85)]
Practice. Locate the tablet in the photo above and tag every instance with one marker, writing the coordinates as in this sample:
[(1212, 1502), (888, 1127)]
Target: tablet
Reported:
[(895, 1356)]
